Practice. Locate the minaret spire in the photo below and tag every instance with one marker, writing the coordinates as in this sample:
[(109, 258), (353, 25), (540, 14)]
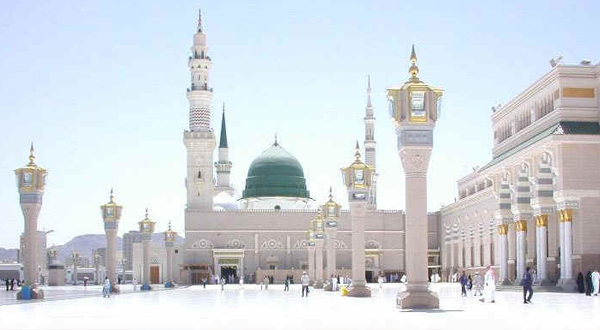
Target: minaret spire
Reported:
[(223, 139), (31, 155), (369, 91), (199, 20)]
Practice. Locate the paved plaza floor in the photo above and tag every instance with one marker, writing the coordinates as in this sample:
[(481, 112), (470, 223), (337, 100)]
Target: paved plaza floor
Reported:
[(250, 308)]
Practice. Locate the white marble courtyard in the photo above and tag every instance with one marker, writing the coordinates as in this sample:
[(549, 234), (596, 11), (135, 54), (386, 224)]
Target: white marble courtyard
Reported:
[(197, 308)]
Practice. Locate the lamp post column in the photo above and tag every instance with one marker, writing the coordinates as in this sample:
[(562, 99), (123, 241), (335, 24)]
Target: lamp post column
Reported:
[(170, 236), (31, 181), (146, 229), (415, 108)]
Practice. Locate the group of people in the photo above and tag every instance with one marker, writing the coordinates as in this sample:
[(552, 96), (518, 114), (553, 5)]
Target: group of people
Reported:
[(591, 284), (485, 286), (10, 283)]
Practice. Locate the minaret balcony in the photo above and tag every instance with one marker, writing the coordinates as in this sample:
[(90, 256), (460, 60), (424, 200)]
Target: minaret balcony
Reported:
[(200, 88)]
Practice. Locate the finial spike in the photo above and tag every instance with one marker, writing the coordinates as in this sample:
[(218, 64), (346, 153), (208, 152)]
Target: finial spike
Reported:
[(414, 69), (31, 155), (357, 152), (199, 20), (275, 143), (330, 193), (146, 212), (223, 106), (169, 224), (369, 105), (112, 197)]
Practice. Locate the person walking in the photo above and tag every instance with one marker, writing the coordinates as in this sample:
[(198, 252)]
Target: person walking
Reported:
[(241, 282), (204, 282), (305, 280), (490, 286), (596, 282), (135, 283), (223, 284), (380, 281), (106, 288), (588, 283), (334, 282), (12, 285), (7, 282), (478, 283), (287, 283), (527, 283), (470, 283), (580, 284), (463, 285)]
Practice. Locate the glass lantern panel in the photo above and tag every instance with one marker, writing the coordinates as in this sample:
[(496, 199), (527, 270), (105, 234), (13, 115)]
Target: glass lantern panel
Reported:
[(332, 211), (359, 177), (109, 212), (391, 107), (438, 105), (417, 105), (27, 179)]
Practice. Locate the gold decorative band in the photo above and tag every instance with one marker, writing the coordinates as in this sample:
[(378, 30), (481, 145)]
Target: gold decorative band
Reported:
[(521, 225), (541, 220), (566, 215), (503, 229)]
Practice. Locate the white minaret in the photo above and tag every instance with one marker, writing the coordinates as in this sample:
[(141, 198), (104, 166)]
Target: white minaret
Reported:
[(370, 146), (200, 139), (223, 166)]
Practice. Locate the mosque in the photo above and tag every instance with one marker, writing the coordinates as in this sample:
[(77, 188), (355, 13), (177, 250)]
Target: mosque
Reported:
[(265, 231)]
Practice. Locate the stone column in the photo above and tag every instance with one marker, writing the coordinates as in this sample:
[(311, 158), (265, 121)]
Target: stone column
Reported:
[(521, 229), (541, 223), (504, 217), (169, 264), (331, 257), (543, 205), (417, 294), (523, 213), (358, 212), (111, 256), (311, 262), (566, 247), (503, 238), (31, 213), (319, 263)]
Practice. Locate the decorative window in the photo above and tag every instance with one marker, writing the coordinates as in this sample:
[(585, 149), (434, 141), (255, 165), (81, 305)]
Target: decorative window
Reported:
[(418, 105), (27, 179)]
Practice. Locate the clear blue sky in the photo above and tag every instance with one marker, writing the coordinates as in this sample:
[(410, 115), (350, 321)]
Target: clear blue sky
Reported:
[(100, 87)]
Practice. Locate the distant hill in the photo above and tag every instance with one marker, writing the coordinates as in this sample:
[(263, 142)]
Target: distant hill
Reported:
[(85, 244), (9, 255)]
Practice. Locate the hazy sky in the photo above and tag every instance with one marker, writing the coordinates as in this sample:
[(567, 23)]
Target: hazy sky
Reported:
[(99, 86)]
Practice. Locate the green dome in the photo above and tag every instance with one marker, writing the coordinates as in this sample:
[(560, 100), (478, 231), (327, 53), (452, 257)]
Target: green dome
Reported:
[(275, 173)]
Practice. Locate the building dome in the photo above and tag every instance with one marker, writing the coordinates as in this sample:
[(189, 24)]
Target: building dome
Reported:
[(275, 173)]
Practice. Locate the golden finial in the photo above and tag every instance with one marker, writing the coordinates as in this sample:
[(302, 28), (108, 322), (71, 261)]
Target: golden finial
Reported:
[(31, 155), (330, 193), (357, 152), (414, 69), (112, 197), (146, 212)]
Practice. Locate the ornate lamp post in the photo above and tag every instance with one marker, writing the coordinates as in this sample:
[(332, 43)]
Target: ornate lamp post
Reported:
[(97, 267), (319, 239), (74, 260), (146, 229), (311, 253), (170, 236), (357, 178), (31, 181), (331, 212), (111, 214), (415, 107)]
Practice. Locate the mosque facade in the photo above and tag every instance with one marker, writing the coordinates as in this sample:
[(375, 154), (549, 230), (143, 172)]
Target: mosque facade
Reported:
[(265, 231)]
